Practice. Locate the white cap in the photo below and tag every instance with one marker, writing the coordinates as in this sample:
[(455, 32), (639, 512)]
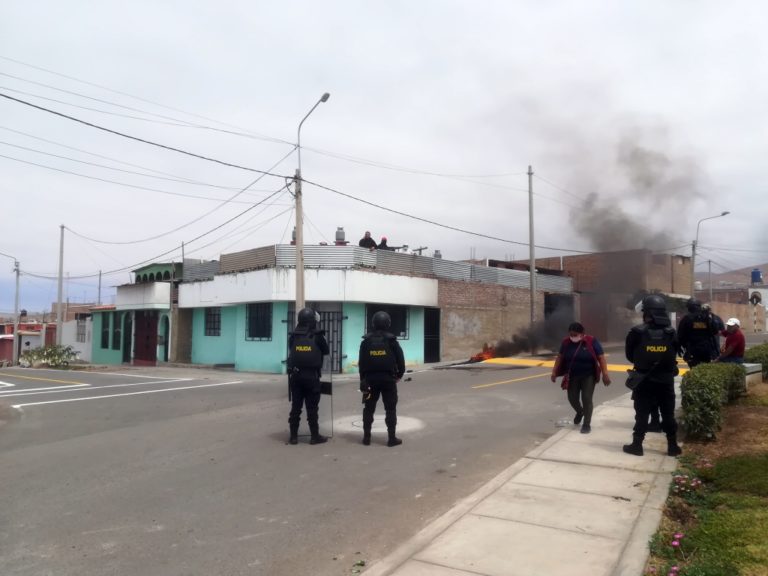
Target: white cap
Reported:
[(733, 322)]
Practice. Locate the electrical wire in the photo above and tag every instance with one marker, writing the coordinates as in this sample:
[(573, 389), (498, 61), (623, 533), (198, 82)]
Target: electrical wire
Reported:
[(560, 188), (137, 139), (446, 226)]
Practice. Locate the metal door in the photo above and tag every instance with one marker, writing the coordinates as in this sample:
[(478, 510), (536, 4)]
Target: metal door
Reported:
[(431, 335)]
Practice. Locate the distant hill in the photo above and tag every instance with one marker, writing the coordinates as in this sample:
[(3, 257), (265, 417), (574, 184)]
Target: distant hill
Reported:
[(738, 277)]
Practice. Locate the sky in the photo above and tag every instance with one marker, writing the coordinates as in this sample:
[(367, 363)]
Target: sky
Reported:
[(638, 120)]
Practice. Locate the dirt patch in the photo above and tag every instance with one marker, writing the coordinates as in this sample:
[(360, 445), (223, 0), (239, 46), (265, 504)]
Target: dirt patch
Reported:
[(744, 430)]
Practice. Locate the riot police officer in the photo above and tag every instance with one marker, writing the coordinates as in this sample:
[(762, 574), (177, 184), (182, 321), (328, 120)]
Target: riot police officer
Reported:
[(652, 347), (307, 346), (695, 333), (381, 365)]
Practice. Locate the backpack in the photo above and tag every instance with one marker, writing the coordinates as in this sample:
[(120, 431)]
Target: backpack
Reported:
[(304, 352), (380, 357)]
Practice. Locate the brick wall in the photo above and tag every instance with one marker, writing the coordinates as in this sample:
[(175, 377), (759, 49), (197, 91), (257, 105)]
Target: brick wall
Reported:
[(474, 314), (752, 318)]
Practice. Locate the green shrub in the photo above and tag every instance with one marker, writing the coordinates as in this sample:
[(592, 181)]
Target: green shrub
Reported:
[(758, 355), (53, 356), (705, 389)]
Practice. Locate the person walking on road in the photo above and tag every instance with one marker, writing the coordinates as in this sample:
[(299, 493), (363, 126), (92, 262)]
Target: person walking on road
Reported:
[(652, 348), (735, 343), (581, 362), (306, 346), (382, 365)]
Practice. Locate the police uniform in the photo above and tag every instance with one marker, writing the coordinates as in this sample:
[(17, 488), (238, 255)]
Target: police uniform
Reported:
[(652, 348), (695, 334), (305, 361), (382, 364)]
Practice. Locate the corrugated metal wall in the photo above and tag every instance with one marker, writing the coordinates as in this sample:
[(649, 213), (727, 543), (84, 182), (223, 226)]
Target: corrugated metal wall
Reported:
[(348, 257), (253, 259), (196, 270)]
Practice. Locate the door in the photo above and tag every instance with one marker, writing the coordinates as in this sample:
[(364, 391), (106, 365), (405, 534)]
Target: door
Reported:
[(127, 337), (431, 335), (145, 341)]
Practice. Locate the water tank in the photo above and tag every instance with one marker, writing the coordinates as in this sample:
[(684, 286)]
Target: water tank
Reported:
[(340, 236), (437, 254), (757, 277), (697, 285)]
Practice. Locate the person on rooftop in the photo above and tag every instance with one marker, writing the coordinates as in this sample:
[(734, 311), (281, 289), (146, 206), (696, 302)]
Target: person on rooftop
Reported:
[(367, 242)]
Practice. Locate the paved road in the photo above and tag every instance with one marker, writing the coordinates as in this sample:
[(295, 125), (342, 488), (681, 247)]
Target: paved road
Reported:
[(187, 472)]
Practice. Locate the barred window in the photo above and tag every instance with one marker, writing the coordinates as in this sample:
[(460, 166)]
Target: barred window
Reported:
[(105, 316), (399, 315), (80, 332), (258, 321), (213, 321), (116, 330)]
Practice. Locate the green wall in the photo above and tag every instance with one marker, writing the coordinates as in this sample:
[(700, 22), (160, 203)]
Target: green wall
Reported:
[(104, 355), (263, 355), (215, 349), (354, 329)]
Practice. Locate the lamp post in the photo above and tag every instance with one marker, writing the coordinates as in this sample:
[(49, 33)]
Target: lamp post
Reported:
[(300, 214), (696, 243), (15, 353)]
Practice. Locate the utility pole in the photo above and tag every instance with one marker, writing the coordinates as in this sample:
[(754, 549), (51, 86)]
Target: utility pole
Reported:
[(98, 299), (710, 281), (531, 246), (59, 303), (299, 243), (15, 357)]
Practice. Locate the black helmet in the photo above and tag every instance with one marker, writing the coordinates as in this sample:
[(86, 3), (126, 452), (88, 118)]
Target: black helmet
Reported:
[(693, 305), (381, 320), (654, 304), (307, 318)]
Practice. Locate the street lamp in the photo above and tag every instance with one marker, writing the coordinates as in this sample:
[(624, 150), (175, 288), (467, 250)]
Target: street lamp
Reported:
[(15, 353), (696, 243), (300, 214)]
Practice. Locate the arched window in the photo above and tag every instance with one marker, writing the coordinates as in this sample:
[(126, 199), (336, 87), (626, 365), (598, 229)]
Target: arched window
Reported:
[(166, 275), (144, 278), (151, 276)]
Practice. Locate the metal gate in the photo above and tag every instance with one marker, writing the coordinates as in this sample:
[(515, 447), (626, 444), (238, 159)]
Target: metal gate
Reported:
[(431, 335), (331, 322)]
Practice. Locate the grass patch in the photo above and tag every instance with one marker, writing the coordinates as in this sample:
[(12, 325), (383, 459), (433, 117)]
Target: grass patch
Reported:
[(743, 474)]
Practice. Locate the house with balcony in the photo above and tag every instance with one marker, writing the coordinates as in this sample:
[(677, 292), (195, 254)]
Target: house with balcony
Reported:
[(237, 312)]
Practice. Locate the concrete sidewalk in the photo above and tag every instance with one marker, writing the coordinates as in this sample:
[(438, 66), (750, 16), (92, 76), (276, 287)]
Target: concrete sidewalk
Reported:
[(577, 505)]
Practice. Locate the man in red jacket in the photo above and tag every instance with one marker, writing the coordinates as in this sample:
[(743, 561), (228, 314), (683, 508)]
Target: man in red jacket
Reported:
[(733, 350)]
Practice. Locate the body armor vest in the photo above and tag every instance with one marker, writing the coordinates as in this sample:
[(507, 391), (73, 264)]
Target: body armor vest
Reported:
[(656, 348)]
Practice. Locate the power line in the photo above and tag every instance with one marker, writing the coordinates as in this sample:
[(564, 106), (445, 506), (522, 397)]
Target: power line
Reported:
[(556, 187), (137, 139), (446, 226)]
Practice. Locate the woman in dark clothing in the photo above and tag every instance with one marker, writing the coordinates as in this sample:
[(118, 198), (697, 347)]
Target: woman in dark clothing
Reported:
[(581, 362)]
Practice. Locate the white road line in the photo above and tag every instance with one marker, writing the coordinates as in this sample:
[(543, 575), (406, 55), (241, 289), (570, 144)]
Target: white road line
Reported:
[(127, 394), (11, 393), (128, 375), (6, 384), (36, 390)]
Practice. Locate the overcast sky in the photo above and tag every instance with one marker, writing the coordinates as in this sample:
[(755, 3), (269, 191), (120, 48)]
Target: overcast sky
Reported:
[(639, 119)]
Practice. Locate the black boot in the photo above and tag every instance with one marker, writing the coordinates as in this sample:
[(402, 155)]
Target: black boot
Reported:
[(393, 440), (294, 432), (673, 449), (315, 436), (367, 434), (636, 448)]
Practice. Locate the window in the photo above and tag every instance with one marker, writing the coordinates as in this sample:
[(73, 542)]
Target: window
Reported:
[(116, 330), (80, 332), (399, 315), (105, 329), (213, 321), (258, 321)]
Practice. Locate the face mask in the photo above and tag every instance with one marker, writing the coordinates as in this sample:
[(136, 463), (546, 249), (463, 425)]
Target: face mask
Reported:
[(575, 339)]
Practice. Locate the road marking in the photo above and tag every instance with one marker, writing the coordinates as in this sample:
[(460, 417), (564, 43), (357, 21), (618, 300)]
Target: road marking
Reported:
[(46, 379), (54, 390), (6, 384), (17, 392), (126, 394), (510, 381)]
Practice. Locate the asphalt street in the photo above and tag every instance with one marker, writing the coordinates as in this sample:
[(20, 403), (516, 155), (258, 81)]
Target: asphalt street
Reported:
[(168, 471)]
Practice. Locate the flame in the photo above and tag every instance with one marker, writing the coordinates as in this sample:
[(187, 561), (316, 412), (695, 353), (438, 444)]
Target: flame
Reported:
[(487, 353)]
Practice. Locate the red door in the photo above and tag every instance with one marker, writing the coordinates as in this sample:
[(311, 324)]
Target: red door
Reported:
[(145, 345)]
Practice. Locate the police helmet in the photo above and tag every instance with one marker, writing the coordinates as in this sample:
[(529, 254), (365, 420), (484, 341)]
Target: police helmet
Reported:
[(654, 303), (307, 318), (693, 305), (382, 320)]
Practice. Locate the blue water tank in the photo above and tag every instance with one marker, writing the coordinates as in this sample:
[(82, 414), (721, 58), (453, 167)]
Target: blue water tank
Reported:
[(757, 277)]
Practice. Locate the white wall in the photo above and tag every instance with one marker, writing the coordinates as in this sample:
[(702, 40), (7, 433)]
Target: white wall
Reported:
[(321, 285), (143, 296), (69, 338)]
